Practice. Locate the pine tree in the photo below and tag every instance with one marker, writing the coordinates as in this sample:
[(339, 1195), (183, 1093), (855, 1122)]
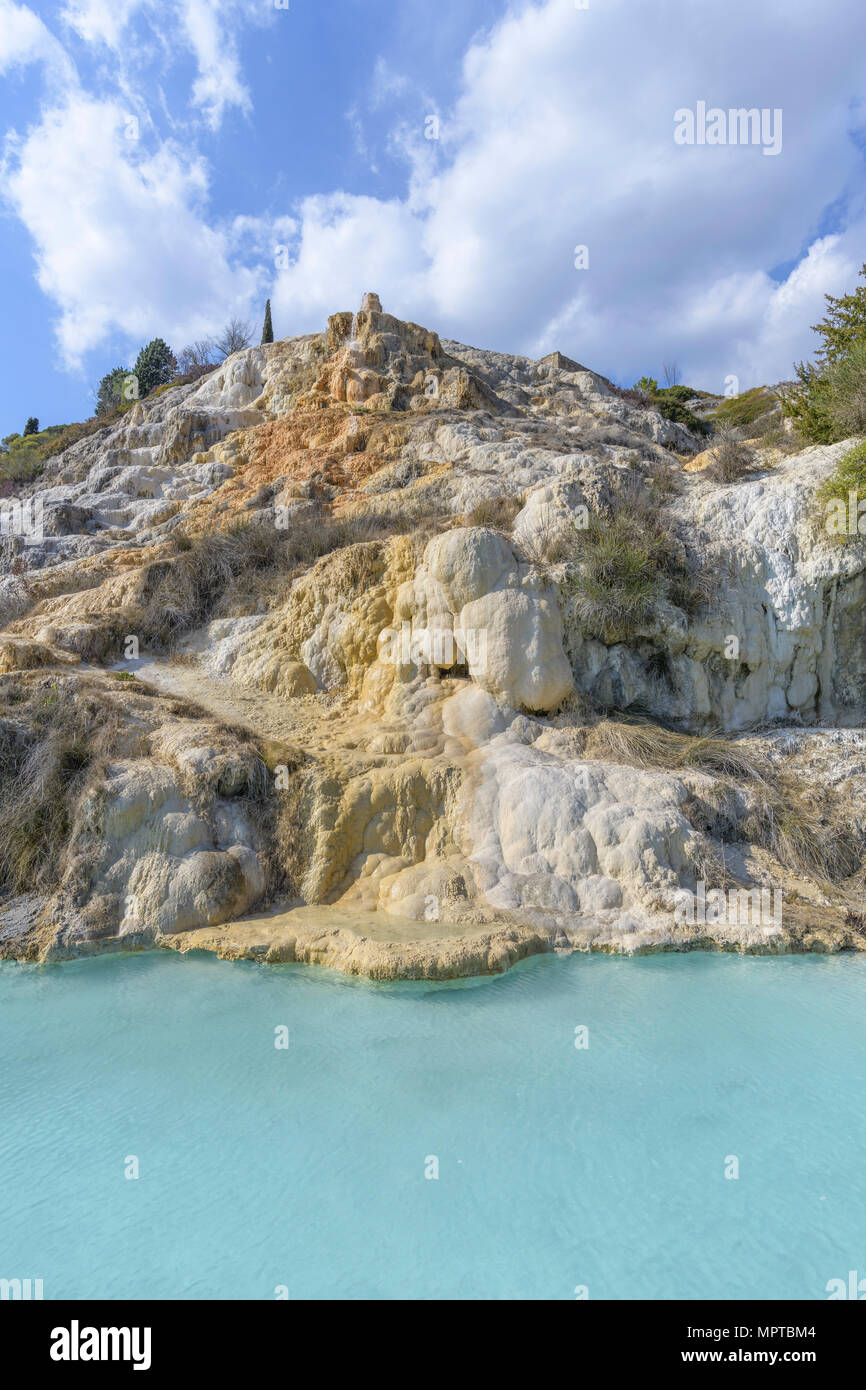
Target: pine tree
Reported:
[(154, 366), (829, 397), (268, 330), (844, 324), (32, 426)]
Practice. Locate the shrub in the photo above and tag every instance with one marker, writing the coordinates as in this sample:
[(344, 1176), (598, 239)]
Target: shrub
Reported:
[(227, 573), (668, 401), (846, 393), (804, 826), (849, 475), (24, 459), (498, 513), (629, 559), (732, 459), (835, 493), (647, 386), (743, 411)]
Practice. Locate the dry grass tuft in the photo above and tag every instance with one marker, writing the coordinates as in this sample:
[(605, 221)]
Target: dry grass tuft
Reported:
[(732, 459), (496, 513), (803, 826), (52, 734), (229, 573)]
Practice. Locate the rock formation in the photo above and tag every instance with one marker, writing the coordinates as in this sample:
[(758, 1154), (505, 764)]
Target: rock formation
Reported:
[(363, 702)]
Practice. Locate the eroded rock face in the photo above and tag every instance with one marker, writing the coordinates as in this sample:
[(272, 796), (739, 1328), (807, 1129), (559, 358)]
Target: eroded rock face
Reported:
[(164, 837), (472, 603), (417, 689), (782, 637)]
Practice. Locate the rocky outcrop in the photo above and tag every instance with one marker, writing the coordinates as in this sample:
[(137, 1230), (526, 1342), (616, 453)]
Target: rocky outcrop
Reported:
[(395, 725)]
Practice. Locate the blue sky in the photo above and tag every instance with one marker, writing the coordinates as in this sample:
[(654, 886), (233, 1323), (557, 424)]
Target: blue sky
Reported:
[(169, 163)]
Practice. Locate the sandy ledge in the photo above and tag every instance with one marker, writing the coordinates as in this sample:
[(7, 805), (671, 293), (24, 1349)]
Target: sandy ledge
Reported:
[(382, 947)]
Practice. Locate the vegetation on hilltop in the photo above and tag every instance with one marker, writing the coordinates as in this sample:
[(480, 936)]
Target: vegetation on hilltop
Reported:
[(23, 457), (670, 402)]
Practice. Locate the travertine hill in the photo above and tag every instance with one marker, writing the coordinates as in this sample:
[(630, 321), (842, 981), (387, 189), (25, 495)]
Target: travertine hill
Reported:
[(370, 586)]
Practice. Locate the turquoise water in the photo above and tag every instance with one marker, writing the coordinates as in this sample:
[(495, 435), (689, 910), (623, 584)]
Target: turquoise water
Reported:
[(558, 1167)]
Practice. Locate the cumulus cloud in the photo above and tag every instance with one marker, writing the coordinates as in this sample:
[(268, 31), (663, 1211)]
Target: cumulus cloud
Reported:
[(125, 243), (132, 252), (562, 135)]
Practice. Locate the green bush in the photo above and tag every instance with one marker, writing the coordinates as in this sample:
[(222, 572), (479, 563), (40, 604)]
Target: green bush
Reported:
[(833, 498), (24, 458), (673, 409), (743, 411), (669, 402), (827, 398), (647, 386), (628, 559), (846, 397)]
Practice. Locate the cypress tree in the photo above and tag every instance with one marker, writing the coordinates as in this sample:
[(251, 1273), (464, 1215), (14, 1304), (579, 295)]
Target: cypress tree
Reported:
[(32, 426), (154, 366), (268, 330)]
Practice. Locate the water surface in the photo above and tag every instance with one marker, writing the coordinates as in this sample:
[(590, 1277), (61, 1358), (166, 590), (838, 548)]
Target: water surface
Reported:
[(558, 1168)]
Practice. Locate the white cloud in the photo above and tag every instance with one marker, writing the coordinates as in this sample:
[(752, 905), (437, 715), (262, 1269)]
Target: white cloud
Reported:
[(218, 84), (562, 134), (25, 39), (207, 29), (343, 242), (100, 21), (122, 244), (764, 326)]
